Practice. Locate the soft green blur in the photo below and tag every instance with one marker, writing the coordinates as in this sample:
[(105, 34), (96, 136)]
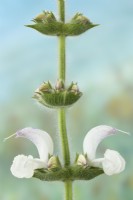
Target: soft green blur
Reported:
[(101, 61)]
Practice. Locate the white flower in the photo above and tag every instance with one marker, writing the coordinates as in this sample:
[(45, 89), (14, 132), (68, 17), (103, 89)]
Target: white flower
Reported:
[(112, 162), (24, 166)]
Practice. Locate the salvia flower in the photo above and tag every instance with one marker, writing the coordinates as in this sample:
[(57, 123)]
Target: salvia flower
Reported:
[(24, 166), (112, 162)]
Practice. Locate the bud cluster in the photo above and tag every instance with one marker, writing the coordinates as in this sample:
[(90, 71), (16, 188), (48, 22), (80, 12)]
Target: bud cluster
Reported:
[(58, 96), (47, 24), (78, 25)]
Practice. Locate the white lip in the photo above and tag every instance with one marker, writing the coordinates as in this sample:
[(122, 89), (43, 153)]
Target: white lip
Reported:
[(24, 166)]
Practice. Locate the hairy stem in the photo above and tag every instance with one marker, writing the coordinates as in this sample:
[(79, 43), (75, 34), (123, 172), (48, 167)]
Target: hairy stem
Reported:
[(61, 6), (61, 112), (68, 190), (62, 57), (63, 135)]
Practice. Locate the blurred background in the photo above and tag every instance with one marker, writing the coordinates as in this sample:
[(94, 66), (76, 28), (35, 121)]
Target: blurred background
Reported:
[(101, 61)]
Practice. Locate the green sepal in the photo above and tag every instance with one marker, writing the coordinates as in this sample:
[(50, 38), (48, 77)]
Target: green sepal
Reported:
[(75, 161), (52, 29), (71, 173)]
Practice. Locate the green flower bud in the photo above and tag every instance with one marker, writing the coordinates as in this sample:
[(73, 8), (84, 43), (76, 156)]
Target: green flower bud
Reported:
[(45, 17), (47, 24), (78, 25), (59, 96), (74, 88), (44, 87)]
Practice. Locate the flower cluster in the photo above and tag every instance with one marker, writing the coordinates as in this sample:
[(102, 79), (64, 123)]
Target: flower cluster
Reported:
[(58, 96), (24, 166)]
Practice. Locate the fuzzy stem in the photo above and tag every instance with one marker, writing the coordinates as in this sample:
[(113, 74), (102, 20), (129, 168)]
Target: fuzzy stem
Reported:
[(61, 112), (61, 6), (62, 42), (68, 190), (63, 135), (62, 58)]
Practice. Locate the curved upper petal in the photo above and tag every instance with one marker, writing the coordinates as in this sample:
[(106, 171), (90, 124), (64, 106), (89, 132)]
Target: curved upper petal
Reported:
[(24, 166), (94, 137), (41, 139)]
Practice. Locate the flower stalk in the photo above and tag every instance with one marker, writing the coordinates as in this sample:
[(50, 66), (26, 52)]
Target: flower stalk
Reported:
[(61, 112)]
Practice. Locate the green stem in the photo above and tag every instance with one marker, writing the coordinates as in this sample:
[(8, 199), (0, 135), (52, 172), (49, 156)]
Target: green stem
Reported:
[(61, 6), (62, 57), (68, 190), (62, 72), (63, 135), (62, 42), (61, 112)]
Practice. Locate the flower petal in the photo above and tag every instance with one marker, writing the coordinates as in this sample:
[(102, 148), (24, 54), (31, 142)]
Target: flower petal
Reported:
[(113, 162), (94, 137), (24, 166), (41, 139), (97, 162)]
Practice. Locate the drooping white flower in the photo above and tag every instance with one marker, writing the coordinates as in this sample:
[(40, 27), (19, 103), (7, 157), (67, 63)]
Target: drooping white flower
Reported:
[(112, 162), (24, 166)]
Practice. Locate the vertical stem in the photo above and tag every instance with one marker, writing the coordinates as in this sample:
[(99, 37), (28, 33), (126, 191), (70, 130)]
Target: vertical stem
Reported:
[(61, 112), (62, 42), (62, 57), (62, 72), (61, 5), (68, 190), (63, 135)]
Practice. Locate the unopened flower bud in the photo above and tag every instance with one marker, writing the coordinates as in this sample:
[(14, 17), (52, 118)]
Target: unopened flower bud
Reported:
[(47, 24), (45, 17), (54, 163), (81, 160), (78, 25), (59, 85), (44, 87), (74, 88)]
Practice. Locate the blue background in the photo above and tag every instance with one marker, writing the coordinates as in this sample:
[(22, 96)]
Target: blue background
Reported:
[(101, 61)]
